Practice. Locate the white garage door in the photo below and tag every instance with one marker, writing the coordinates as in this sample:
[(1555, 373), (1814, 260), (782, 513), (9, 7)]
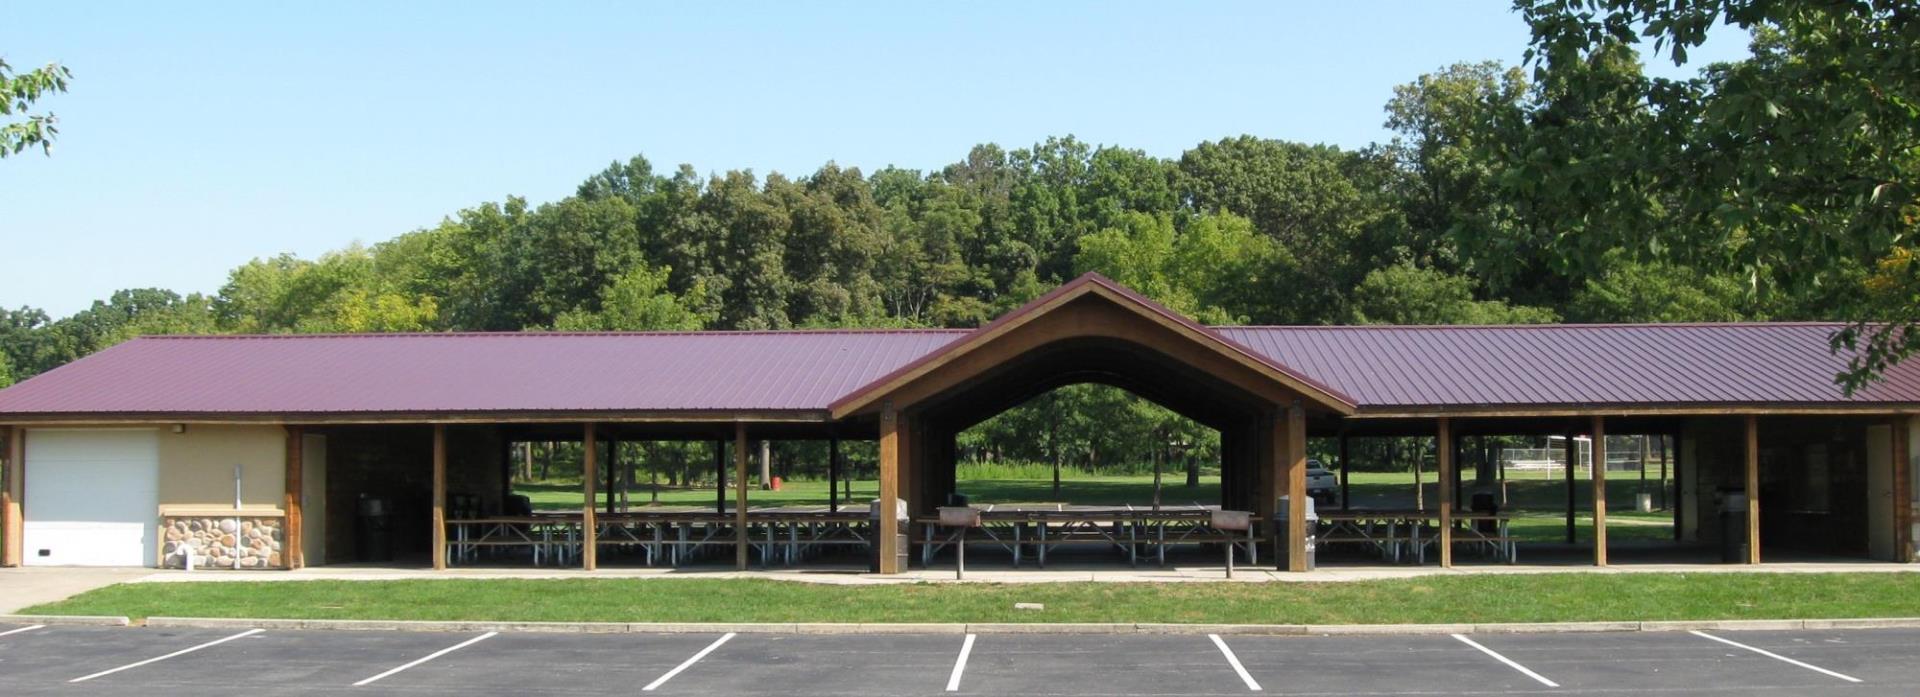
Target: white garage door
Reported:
[(92, 497)]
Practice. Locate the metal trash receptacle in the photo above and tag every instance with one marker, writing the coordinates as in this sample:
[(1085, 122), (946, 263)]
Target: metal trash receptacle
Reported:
[(373, 530), (1484, 503), (901, 548), (1733, 524), (1281, 517)]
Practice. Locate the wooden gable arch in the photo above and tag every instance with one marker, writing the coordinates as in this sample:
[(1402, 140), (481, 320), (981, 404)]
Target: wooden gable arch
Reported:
[(1091, 307)]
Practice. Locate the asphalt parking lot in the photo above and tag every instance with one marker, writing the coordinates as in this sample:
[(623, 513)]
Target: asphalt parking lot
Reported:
[(70, 660)]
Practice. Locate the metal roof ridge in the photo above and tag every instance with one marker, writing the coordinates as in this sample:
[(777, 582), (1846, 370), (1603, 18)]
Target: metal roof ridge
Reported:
[(558, 334), (1551, 326)]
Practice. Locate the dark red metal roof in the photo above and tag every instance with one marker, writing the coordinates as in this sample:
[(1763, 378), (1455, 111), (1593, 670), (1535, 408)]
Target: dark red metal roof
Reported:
[(1577, 365), (504, 372), (1378, 368)]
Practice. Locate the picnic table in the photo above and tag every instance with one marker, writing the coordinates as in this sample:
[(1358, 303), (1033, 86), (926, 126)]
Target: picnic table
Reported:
[(1039, 529), (547, 536), (1403, 534), (674, 536)]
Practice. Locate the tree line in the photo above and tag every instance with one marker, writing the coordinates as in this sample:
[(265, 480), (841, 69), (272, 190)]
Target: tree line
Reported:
[(1571, 188)]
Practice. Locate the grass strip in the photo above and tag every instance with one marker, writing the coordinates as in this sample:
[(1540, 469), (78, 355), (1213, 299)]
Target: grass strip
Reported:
[(1475, 598)]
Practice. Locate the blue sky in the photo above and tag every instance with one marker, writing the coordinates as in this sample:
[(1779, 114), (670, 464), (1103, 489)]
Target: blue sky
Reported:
[(194, 139)]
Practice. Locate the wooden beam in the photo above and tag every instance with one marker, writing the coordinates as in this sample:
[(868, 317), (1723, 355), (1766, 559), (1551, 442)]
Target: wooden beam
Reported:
[(911, 459), (740, 496), (439, 497), (1443, 450), (589, 479), (1573, 456), (292, 547), (1599, 450), (833, 475), (1753, 489), (889, 490), (13, 497), (613, 473), (1902, 489), (1346, 468), (1293, 454)]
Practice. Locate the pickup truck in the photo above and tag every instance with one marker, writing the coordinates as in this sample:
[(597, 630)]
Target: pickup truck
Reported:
[(1322, 484)]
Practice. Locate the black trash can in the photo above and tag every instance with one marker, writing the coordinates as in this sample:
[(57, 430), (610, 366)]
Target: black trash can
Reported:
[(518, 505), (901, 547), (1485, 504), (373, 530), (1733, 525)]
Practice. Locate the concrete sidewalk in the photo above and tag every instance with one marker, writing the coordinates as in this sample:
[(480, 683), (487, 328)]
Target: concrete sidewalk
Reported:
[(29, 586)]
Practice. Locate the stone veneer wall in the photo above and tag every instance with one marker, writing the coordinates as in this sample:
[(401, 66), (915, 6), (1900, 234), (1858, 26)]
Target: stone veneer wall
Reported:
[(223, 542)]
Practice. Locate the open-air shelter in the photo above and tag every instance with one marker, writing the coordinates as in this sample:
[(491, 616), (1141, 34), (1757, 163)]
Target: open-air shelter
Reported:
[(262, 451)]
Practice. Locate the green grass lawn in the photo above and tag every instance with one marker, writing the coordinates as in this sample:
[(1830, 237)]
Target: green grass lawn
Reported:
[(1530, 495), (1472, 598), (1539, 503)]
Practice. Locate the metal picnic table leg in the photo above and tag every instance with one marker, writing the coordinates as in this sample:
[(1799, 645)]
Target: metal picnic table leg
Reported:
[(1160, 549), (653, 550), (1042, 547), (1017, 542), (1253, 548), (926, 546), (1133, 546), (1513, 549)]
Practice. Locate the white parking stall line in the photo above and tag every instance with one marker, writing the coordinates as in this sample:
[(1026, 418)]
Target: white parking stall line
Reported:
[(158, 659), (22, 629), (1234, 661), (1510, 662), (960, 664), (1777, 657), (429, 657), (662, 680)]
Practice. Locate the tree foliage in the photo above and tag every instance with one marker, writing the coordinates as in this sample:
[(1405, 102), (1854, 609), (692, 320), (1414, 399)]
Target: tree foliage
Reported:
[(1798, 168), (1781, 186), (19, 92)]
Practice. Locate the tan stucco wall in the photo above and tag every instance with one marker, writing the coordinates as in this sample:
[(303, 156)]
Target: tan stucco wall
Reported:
[(196, 467)]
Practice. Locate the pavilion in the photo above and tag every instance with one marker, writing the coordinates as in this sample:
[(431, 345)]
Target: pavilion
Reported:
[(260, 451)]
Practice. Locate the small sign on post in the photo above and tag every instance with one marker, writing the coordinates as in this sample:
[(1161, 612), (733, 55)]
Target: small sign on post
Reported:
[(962, 517)]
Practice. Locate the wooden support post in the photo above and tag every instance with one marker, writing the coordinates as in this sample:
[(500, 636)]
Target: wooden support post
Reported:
[(1599, 450), (1443, 450), (439, 497), (13, 497), (1293, 455), (908, 490), (1346, 468), (740, 496), (833, 475), (1753, 489), (1679, 500), (1902, 490), (589, 478), (1573, 468), (720, 477), (613, 474), (889, 522), (292, 549)]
